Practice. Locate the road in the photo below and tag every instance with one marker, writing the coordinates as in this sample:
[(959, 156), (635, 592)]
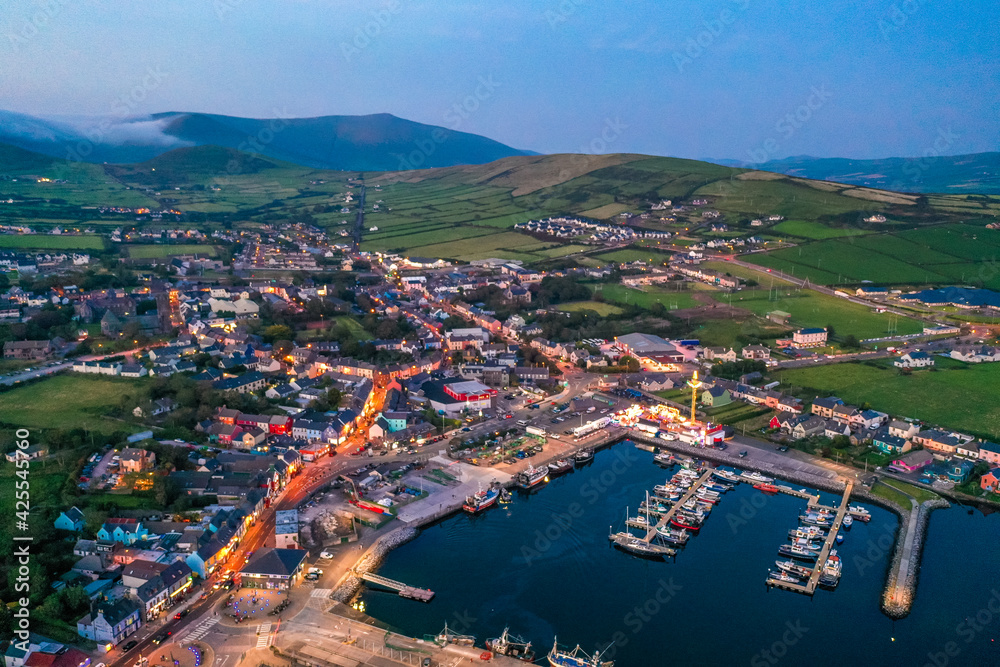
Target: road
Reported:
[(44, 370)]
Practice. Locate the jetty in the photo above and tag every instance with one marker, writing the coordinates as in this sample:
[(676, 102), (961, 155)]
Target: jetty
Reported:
[(809, 587), (405, 591), (651, 531)]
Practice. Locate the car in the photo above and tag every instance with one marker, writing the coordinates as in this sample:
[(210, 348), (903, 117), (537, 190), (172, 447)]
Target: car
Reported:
[(782, 449), (743, 453), (162, 637), (181, 614), (326, 554), (128, 646)]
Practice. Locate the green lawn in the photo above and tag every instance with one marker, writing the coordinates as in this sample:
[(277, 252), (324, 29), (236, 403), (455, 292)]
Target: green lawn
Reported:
[(166, 250), (813, 230), (70, 400), (812, 309), (892, 495), (647, 296), (920, 493), (958, 398), (52, 241), (601, 309)]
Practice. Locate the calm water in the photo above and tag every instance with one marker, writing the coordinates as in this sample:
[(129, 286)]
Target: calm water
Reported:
[(543, 566)]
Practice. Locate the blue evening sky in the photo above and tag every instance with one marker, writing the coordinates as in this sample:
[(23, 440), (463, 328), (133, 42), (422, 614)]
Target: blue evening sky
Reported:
[(742, 79)]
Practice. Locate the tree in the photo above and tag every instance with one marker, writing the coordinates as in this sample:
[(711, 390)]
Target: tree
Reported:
[(277, 332), (851, 341), (630, 363)]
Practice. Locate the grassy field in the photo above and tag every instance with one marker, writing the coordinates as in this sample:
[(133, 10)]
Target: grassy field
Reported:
[(920, 493), (162, 250), (69, 401), (942, 254), (647, 296), (52, 241), (961, 398), (724, 332), (891, 494), (812, 309), (813, 230), (596, 306)]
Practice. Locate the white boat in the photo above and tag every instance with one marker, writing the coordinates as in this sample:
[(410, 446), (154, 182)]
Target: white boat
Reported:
[(848, 521), (859, 513), (754, 476)]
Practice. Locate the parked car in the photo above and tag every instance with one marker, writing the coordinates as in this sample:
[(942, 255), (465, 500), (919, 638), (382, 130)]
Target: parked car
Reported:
[(743, 453), (128, 646)]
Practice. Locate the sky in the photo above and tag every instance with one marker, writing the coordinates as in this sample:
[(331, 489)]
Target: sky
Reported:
[(739, 79)]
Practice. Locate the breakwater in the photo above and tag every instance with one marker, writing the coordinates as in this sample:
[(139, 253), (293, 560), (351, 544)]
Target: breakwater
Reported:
[(370, 560)]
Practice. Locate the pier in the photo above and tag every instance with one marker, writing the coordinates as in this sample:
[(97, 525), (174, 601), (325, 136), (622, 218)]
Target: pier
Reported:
[(420, 594), (809, 587), (651, 532)]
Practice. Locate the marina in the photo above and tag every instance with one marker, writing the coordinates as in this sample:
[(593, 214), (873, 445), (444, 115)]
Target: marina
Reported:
[(543, 545), (822, 558)]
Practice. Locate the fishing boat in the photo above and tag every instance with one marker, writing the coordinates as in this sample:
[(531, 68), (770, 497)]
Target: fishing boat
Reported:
[(782, 576), (797, 553), (848, 521), (672, 536), (808, 544), (638, 520), (511, 646), (481, 499), (576, 658), (766, 488), (653, 507), (717, 487), (816, 520), (755, 476), (726, 475), (532, 477), (686, 521), (560, 466), (584, 456), (793, 568), (664, 459), (834, 566), (839, 539), (807, 532), (446, 636), (859, 513)]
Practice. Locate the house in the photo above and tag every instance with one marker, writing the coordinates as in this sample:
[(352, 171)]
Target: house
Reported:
[(834, 428), (32, 350), (914, 360), (133, 459), (975, 354), (959, 470), (716, 397), (811, 426), (756, 352), (912, 462), (814, 337), (991, 481), (719, 353), (789, 404), (273, 568), (72, 519), (969, 450), (903, 429), (110, 622), (891, 444), (248, 382), (126, 531), (845, 414), (824, 406), (989, 452)]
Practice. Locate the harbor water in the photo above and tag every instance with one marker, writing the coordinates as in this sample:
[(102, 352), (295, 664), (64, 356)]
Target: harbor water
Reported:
[(542, 566)]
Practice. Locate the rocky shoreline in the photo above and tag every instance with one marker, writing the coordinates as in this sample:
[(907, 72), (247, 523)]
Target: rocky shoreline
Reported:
[(372, 558)]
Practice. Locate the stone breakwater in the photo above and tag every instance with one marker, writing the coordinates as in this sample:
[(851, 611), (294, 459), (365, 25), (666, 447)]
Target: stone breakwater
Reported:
[(371, 560), (901, 583)]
